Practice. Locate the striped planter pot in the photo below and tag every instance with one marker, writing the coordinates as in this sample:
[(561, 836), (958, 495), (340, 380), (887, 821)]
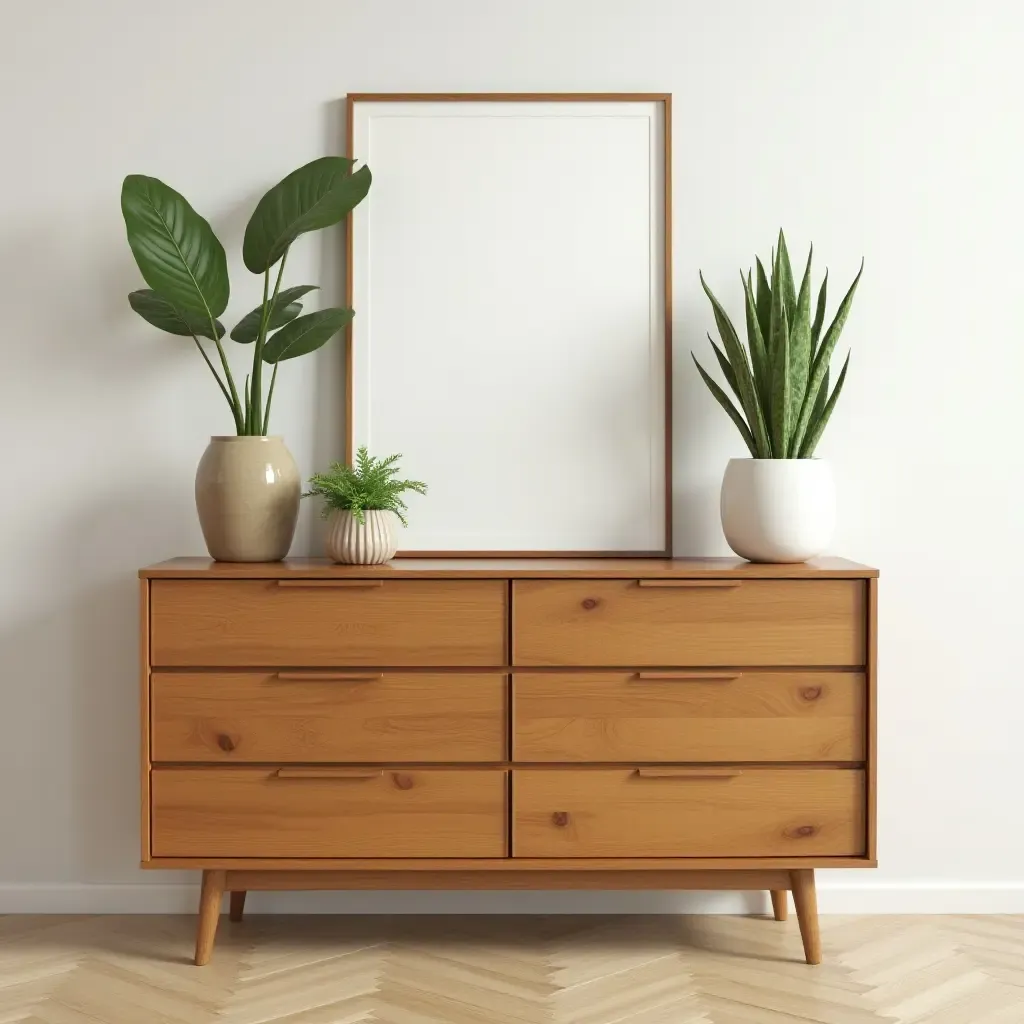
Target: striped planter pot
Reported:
[(353, 543)]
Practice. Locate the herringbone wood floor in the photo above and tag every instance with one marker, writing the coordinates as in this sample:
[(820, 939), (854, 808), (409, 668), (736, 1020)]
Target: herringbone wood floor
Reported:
[(512, 970)]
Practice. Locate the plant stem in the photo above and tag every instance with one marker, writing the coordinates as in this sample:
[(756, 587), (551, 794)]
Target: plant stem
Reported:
[(257, 356), (270, 398), (216, 376), (248, 406)]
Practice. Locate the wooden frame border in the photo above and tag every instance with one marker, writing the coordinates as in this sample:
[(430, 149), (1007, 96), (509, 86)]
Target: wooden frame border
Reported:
[(541, 97)]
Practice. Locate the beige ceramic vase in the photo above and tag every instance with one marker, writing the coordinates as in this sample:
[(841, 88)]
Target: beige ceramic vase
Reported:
[(353, 543), (247, 496)]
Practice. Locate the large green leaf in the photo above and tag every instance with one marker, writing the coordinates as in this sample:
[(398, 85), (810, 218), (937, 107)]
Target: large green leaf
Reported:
[(822, 358), (726, 404), (818, 424), (165, 315), (784, 272), (306, 334), (727, 370), (800, 346), (819, 313), (315, 196), (284, 309), (176, 249), (780, 414), (760, 363), (741, 367), (764, 304)]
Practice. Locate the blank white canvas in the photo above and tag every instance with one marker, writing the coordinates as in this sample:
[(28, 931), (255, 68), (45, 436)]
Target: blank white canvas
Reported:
[(509, 337)]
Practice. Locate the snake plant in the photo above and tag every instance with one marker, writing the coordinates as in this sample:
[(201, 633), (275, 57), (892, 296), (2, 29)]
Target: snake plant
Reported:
[(781, 377)]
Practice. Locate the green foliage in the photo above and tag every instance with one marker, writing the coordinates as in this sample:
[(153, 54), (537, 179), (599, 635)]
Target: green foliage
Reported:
[(185, 266), (370, 484), (781, 378)]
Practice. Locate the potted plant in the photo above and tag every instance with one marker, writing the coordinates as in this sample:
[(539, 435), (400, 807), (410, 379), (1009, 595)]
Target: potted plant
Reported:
[(779, 505), (361, 503), (247, 484)]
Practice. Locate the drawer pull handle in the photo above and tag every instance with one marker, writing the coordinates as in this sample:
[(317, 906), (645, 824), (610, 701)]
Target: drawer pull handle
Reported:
[(688, 773), (690, 584), (687, 677), (329, 773), (333, 584), (330, 677)]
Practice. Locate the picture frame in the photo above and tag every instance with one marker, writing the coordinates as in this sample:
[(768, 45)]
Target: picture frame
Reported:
[(511, 276)]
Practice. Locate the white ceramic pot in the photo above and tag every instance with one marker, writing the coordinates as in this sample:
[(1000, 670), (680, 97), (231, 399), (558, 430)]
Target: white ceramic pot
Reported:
[(247, 497), (778, 510), (353, 543)]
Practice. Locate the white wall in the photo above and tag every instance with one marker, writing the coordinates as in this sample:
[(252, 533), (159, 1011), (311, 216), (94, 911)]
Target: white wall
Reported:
[(882, 128)]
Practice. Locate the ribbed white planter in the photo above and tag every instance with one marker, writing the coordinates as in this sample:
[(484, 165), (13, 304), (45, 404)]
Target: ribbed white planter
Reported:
[(778, 510), (353, 543)]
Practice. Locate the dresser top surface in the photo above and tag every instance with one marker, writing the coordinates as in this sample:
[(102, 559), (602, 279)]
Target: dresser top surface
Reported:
[(514, 568)]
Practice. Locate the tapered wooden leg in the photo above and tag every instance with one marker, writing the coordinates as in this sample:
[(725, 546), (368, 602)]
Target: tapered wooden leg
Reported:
[(209, 913), (806, 902), (237, 905), (780, 904)]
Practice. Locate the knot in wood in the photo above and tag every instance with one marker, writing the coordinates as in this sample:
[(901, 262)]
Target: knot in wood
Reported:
[(590, 603), (226, 743), (810, 692), (402, 781), (801, 831), (560, 818)]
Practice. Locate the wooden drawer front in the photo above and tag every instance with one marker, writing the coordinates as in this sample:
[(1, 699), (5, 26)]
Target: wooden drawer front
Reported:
[(688, 622), (316, 716), (328, 622), (695, 715), (258, 812), (701, 812)]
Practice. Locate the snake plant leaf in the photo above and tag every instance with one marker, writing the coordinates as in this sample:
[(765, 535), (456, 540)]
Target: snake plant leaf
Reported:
[(800, 353), (818, 425), (155, 309), (744, 379), (822, 358), (317, 195), (285, 308), (755, 342), (306, 334), (726, 404), (784, 273), (764, 304), (819, 313), (175, 248), (781, 391), (727, 370), (819, 402)]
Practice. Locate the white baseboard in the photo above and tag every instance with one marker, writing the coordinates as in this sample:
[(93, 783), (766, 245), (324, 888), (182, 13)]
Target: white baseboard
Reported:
[(841, 898)]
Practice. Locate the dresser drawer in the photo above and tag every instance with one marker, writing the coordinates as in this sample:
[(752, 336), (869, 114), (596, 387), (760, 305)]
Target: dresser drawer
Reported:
[(679, 812), (324, 812), (688, 622), (688, 715), (327, 622), (315, 715)]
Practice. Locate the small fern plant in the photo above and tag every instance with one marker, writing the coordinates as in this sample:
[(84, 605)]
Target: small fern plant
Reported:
[(781, 378), (368, 485)]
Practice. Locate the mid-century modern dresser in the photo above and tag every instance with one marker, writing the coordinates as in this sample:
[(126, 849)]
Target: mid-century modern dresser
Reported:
[(535, 724)]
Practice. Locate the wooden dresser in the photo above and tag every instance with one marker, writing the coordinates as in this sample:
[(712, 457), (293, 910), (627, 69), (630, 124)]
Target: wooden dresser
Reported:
[(536, 724)]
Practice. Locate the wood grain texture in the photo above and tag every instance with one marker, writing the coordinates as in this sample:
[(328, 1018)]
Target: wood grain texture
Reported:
[(636, 716), (805, 900), (236, 904), (210, 895), (826, 567), (872, 717), (537, 881), (780, 904), (296, 717), (512, 969), (615, 813), (145, 763), (250, 812), (256, 622), (759, 622)]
